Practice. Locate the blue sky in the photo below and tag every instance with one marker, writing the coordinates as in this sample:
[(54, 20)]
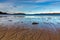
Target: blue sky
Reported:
[(30, 6)]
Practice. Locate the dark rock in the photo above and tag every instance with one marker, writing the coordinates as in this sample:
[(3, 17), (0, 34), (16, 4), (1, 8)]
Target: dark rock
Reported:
[(10, 20), (21, 22), (34, 23)]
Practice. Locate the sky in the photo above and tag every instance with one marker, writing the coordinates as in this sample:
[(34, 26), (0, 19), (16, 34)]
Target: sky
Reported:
[(30, 6)]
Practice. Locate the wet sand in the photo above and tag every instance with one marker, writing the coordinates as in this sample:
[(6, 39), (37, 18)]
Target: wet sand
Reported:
[(26, 33), (23, 29)]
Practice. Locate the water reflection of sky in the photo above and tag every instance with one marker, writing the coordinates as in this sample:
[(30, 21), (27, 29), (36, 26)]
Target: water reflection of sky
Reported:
[(33, 18), (44, 22), (27, 20)]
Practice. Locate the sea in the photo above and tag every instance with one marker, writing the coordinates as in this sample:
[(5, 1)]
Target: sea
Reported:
[(27, 20)]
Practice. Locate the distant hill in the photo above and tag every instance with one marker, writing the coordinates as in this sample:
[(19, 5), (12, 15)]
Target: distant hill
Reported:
[(12, 14), (19, 13), (30, 14), (3, 12), (46, 13)]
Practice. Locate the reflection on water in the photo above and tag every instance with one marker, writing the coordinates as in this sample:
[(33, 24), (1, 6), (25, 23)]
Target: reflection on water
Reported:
[(33, 18), (28, 20)]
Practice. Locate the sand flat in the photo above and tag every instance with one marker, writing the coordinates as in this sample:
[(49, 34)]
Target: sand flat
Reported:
[(23, 29), (22, 33)]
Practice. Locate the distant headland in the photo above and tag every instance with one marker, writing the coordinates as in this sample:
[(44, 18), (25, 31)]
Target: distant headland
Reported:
[(11, 14), (1, 13)]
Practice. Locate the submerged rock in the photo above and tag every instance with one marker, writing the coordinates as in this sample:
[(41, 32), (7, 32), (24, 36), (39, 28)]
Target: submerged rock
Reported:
[(10, 20), (21, 22), (34, 23)]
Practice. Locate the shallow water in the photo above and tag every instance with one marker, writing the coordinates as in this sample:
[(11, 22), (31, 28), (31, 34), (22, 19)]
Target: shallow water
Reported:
[(48, 27), (44, 22), (28, 20)]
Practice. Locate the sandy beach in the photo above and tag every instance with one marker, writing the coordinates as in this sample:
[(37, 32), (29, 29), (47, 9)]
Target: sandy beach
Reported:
[(22, 28)]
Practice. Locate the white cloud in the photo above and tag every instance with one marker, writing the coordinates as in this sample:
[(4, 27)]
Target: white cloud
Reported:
[(28, 0), (9, 7), (41, 0)]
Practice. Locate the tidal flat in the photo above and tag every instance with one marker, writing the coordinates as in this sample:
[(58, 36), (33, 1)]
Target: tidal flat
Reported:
[(30, 28)]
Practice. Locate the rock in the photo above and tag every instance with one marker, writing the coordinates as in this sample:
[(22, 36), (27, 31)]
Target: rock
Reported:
[(34, 23), (10, 20), (21, 22)]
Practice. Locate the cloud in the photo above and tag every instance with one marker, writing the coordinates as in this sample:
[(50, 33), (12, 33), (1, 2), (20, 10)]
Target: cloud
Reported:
[(36, 1), (9, 7), (27, 6), (41, 0)]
